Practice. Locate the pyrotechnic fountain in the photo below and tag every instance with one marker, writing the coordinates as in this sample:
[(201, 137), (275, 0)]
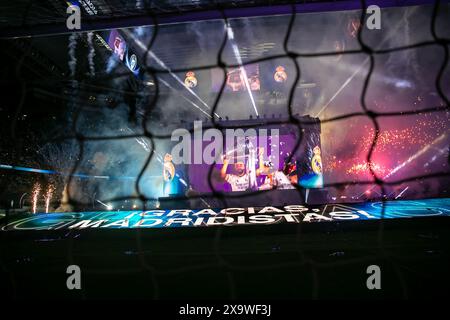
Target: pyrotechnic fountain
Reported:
[(48, 198), (36, 191)]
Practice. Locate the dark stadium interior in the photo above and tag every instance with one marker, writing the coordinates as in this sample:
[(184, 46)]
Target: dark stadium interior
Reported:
[(87, 117)]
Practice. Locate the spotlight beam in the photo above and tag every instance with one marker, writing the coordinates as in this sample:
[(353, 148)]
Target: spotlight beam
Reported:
[(230, 35), (416, 155), (182, 95), (410, 159), (76, 175), (349, 79), (165, 67), (401, 193), (345, 84), (107, 206)]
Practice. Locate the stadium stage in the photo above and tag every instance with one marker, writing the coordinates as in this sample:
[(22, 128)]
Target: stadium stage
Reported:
[(224, 149), (229, 216), (293, 260)]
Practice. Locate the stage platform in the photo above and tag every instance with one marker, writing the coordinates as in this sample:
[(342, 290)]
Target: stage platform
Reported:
[(231, 216), (327, 259)]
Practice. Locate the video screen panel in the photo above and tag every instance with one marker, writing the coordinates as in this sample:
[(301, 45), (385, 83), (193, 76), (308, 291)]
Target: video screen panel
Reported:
[(237, 79), (251, 166), (123, 51), (261, 161), (117, 44)]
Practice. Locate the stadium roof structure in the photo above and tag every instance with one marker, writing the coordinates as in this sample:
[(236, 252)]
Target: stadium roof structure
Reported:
[(23, 18)]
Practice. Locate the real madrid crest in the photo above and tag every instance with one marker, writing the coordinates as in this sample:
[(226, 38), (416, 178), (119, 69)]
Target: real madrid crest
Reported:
[(133, 62), (190, 81), (169, 168), (339, 47), (353, 27), (280, 74), (316, 161)]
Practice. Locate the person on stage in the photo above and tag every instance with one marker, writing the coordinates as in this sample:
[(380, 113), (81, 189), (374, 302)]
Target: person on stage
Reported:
[(240, 180), (170, 180)]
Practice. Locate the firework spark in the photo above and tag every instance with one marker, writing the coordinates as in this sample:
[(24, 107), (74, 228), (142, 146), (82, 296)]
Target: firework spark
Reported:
[(422, 133), (392, 145), (48, 198), (36, 191), (365, 168), (410, 159), (415, 156)]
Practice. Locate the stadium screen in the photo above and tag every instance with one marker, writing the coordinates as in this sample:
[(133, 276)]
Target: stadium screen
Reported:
[(237, 79), (261, 161)]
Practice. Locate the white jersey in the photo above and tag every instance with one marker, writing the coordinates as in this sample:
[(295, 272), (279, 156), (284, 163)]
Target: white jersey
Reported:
[(238, 183), (281, 181), (267, 184)]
